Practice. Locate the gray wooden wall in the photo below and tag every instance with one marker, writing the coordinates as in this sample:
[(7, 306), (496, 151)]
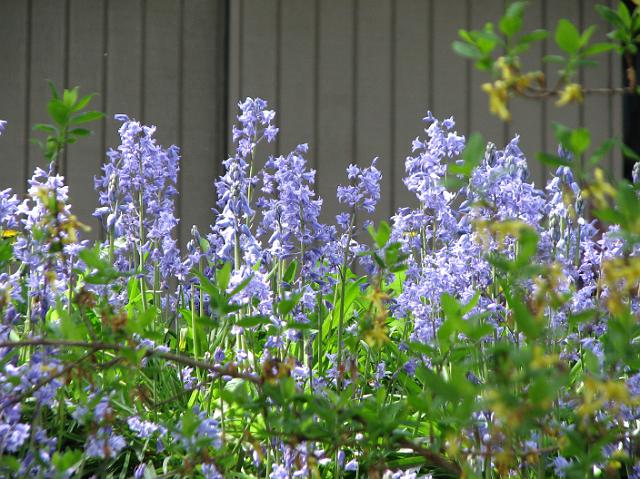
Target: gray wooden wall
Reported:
[(160, 61), (352, 78)]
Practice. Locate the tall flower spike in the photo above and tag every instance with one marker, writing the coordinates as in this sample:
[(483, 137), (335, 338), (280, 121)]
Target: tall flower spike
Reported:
[(291, 210), (231, 235), (137, 193)]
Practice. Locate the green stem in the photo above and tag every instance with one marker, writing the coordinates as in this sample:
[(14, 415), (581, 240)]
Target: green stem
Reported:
[(194, 330)]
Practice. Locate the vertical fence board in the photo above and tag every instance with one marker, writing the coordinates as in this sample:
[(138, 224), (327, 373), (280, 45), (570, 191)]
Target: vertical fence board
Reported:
[(412, 77), (124, 56), (14, 84), (161, 96), (568, 115), (335, 97), (297, 75), (596, 108), (235, 65), (450, 72), (616, 161), (48, 60), (374, 112), (85, 70), (481, 120), (260, 59), (528, 116), (202, 148)]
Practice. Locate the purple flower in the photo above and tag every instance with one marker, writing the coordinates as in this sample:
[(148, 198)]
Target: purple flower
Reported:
[(231, 234), (209, 471), (3, 125), (364, 190), (138, 472), (144, 429), (560, 465), (8, 209), (207, 432), (189, 380), (104, 444), (352, 465), (291, 211), (13, 436), (137, 193)]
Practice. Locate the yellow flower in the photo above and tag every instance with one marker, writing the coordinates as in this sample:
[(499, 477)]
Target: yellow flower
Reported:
[(572, 92), (498, 95)]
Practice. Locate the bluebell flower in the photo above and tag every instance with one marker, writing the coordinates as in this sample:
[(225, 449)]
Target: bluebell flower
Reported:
[(8, 208), (560, 466), (104, 444), (231, 238), (144, 429), (138, 472), (364, 190), (291, 211), (13, 436), (352, 465), (137, 194), (207, 432), (209, 471)]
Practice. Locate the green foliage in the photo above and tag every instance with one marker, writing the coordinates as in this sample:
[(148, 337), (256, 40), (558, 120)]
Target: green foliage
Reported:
[(499, 53), (67, 111)]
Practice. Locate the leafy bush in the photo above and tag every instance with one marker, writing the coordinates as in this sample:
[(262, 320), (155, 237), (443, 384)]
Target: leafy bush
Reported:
[(491, 330)]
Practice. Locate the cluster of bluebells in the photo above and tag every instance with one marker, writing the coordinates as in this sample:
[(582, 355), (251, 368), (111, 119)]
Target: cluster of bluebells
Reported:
[(136, 193), (285, 269)]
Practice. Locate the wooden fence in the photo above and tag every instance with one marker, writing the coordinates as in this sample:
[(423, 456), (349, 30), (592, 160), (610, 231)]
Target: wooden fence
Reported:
[(352, 78)]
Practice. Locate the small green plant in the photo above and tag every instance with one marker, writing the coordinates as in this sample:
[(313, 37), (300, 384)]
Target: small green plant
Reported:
[(67, 112)]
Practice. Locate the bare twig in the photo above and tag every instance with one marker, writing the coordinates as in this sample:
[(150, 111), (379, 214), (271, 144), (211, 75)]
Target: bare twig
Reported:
[(97, 346)]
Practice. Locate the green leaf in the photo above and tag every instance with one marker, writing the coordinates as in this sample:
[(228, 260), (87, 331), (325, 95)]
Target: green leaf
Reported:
[(69, 97), (223, 275), (511, 22), (580, 140), (64, 462), (53, 90), (625, 16), (285, 306), (290, 272), (80, 132), (534, 36), (466, 50), (251, 321), (207, 322), (554, 59), (525, 321), (562, 134), (598, 48), (528, 246), (84, 101), (382, 235), (552, 160), (609, 15), (86, 117), (628, 152), (45, 128), (567, 36), (586, 35), (6, 251), (58, 112), (471, 157)]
